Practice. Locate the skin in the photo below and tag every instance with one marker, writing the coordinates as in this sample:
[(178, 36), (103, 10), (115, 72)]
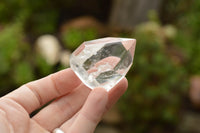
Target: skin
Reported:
[(75, 108)]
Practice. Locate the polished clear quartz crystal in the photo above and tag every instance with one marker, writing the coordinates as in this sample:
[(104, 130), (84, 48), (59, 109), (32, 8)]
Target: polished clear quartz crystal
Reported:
[(103, 62)]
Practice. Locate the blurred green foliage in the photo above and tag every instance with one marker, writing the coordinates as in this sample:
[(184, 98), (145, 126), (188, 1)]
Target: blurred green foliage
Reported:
[(156, 82), (15, 64), (73, 37), (188, 37), (41, 16), (185, 15)]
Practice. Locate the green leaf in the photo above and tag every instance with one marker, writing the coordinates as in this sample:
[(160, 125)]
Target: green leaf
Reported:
[(23, 73)]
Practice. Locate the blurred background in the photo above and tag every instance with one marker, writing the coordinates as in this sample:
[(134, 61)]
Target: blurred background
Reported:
[(38, 36)]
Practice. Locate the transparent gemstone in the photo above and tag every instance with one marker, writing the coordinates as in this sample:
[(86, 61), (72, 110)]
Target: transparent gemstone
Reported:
[(103, 62)]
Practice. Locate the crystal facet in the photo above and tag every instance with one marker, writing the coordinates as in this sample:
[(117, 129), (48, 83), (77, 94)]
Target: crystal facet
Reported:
[(103, 62)]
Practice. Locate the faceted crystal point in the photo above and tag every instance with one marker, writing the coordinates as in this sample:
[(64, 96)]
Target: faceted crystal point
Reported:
[(103, 62)]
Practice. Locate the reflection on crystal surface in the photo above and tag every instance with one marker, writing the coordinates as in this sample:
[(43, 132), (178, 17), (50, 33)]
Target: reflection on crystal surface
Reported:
[(103, 62)]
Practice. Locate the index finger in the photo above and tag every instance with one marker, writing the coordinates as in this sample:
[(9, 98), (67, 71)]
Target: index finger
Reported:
[(35, 94)]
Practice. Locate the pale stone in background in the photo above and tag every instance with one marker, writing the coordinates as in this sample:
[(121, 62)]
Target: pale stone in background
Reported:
[(48, 46)]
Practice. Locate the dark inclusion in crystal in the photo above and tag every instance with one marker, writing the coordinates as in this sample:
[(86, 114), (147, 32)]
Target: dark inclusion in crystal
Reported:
[(110, 49)]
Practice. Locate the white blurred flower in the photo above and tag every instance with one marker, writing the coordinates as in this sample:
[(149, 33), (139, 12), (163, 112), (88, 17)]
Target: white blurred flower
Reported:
[(170, 31), (64, 58), (48, 46)]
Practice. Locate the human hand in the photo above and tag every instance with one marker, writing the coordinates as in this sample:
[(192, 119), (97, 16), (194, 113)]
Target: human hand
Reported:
[(75, 108)]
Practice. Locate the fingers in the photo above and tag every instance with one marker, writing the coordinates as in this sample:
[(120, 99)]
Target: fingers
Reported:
[(62, 109), (15, 115), (34, 127), (116, 92), (68, 123), (113, 95), (35, 94), (91, 113), (4, 126)]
